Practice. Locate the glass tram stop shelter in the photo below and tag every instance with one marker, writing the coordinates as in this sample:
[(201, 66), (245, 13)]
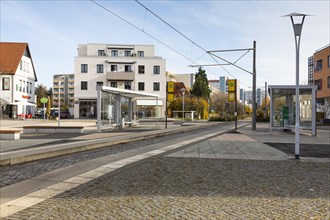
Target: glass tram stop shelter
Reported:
[(117, 107), (283, 107)]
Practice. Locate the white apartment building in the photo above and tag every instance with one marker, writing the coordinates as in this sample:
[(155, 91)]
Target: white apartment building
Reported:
[(132, 67), (17, 80)]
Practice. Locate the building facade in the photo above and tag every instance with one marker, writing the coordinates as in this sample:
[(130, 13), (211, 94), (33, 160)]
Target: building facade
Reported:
[(63, 86), (319, 75), (131, 67), (223, 84), (215, 84), (17, 80)]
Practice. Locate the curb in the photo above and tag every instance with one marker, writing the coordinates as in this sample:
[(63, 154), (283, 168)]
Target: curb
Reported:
[(104, 143)]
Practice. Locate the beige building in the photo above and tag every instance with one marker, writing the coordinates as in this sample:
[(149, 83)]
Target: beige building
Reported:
[(63, 86)]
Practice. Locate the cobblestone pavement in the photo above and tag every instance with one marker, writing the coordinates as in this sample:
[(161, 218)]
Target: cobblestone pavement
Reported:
[(196, 188), (16, 173)]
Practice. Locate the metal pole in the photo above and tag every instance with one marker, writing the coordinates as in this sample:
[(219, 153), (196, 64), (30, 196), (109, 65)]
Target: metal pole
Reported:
[(297, 33), (244, 103), (265, 115), (183, 106), (236, 114), (59, 102), (254, 81), (98, 108)]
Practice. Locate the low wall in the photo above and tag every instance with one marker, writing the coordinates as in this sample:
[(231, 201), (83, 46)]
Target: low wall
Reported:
[(52, 129), (10, 134)]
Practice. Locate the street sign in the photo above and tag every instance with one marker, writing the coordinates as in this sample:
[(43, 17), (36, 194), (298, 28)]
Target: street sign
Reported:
[(231, 97), (170, 87), (231, 85), (43, 100), (170, 97)]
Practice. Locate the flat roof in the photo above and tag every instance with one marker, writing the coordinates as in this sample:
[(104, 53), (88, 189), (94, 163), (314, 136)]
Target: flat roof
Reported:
[(128, 93)]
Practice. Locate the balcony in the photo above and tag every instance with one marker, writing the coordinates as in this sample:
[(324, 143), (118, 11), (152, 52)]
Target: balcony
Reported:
[(121, 76)]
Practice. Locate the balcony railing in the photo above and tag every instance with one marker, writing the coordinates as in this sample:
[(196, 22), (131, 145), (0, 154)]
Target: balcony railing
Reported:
[(122, 76)]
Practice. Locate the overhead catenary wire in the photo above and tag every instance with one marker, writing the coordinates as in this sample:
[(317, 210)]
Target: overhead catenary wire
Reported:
[(194, 43), (140, 29), (159, 41)]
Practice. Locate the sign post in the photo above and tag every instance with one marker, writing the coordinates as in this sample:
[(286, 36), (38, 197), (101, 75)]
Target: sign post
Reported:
[(44, 100), (232, 96), (169, 97)]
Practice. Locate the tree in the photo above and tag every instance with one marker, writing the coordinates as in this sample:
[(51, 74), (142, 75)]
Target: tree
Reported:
[(201, 88), (41, 91)]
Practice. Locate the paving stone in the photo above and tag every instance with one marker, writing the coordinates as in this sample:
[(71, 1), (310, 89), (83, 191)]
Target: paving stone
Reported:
[(196, 188)]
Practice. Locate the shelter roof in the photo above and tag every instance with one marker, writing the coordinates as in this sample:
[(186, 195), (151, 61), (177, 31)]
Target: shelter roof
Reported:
[(127, 93)]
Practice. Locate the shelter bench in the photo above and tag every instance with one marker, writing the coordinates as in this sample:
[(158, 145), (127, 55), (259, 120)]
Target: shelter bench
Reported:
[(10, 134), (52, 129)]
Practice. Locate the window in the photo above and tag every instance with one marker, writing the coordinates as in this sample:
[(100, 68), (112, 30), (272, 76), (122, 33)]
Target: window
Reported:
[(128, 85), (84, 68), (21, 65), (101, 53), (141, 69), (27, 67), (84, 85), (23, 86), (318, 83), (114, 68), (140, 53), (113, 84), (20, 85), (127, 53), (156, 86), (328, 81), (328, 61), (318, 66), (114, 53), (5, 83), (27, 87), (156, 69), (128, 68), (141, 86), (30, 88), (99, 68), (99, 84)]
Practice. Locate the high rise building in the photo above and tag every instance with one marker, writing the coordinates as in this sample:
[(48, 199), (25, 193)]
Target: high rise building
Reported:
[(63, 86)]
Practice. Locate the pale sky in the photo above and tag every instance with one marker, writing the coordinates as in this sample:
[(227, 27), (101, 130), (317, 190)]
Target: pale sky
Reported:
[(53, 30)]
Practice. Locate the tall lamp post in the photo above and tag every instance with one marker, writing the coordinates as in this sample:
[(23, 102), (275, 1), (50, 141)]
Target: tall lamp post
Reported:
[(183, 90), (297, 27)]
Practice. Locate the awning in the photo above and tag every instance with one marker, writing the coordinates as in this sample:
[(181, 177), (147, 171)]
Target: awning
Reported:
[(149, 102)]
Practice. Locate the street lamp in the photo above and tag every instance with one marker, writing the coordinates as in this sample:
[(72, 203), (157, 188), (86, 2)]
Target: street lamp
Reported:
[(297, 27), (183, 90)]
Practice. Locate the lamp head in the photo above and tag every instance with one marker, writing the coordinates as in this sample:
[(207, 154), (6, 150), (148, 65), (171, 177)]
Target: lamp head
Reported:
[(297, 26)]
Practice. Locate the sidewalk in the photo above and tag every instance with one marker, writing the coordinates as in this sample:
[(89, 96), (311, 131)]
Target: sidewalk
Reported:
[(255, 144), (39, 146), (219, 175)]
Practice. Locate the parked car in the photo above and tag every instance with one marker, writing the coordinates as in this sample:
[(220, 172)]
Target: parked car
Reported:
[(64, 114)]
